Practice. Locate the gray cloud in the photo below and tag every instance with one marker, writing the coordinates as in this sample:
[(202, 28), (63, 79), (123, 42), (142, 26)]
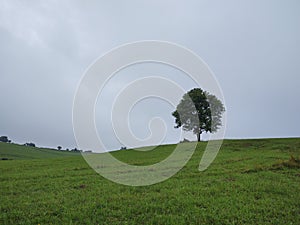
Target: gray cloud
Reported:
[(251, 46)]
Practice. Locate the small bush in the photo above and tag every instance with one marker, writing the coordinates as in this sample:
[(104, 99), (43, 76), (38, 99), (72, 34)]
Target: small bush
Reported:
[(292, 162)]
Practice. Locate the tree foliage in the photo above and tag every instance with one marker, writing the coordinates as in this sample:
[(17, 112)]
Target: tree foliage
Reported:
[(30, 144), (4, 139), (199, 111)]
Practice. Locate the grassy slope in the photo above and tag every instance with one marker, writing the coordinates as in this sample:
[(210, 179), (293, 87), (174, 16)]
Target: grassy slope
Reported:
[(248, 183), (14, 151)]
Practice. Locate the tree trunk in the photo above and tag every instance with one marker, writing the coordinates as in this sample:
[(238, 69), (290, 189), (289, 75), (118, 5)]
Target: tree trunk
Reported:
[(199, 136)]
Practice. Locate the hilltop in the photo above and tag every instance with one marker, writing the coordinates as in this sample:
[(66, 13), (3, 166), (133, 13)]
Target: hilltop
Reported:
[(14, 151)]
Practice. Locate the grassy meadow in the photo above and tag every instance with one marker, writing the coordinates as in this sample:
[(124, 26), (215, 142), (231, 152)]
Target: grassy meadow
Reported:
[(250, 182)]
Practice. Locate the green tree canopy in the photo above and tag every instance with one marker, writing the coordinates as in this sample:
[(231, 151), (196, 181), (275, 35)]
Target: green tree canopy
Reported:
[(4, 139), (199, 111)]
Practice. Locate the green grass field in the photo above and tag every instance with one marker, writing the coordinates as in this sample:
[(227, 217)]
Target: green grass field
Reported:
[(250, 182), (14, 151)]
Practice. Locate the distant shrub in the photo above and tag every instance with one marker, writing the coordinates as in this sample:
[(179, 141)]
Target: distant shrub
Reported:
[(30, 144), (4, 139), (75, 150)]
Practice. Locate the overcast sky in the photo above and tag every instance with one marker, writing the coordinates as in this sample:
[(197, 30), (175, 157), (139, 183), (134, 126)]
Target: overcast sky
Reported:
[(251, 46)]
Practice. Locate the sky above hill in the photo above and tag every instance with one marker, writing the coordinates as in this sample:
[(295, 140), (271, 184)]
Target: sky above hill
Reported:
[(252, 47)]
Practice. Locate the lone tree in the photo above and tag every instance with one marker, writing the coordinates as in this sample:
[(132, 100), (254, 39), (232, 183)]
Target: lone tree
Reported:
[(199, 111), (59, 148)]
